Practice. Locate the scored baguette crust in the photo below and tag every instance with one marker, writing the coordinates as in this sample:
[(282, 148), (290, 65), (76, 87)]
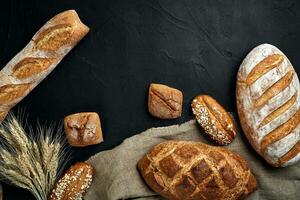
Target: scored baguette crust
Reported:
[(40, 56), (74, 184), (182, 170), (268, 105), (213, 118)]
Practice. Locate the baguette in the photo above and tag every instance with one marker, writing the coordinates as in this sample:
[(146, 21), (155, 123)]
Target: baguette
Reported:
[(182, 170), (40, 56), (268, 105)]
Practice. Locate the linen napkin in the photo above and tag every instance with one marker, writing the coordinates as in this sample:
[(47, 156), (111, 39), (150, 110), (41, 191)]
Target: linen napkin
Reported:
[(116, 175)]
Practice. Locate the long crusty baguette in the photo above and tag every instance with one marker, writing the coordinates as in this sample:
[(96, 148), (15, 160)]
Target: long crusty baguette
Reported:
[(183, 170), (40, 56), (268, 105)]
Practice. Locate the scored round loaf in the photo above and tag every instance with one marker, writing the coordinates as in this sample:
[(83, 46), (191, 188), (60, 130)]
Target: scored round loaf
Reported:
[(213, 118), (182, 170), (74, 183), (268, 103)]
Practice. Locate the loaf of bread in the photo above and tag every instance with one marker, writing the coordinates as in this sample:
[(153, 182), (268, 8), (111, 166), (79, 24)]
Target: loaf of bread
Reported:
[(182, 170), (212, 117), (83, 129), (74, 183), (268, 105), (41, 55), (164, 102)]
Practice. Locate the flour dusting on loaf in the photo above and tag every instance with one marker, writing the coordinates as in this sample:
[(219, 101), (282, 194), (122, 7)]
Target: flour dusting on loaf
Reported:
[(268, 104), (40, 56)]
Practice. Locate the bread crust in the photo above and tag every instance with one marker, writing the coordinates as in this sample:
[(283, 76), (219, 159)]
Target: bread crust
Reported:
[(200, 172), (74, 183), (40, 56), (164, 102), (268, 105), (213, 118), (83, 129)]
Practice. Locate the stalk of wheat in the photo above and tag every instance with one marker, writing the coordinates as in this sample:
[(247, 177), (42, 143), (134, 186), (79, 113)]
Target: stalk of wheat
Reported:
[(31, 161)]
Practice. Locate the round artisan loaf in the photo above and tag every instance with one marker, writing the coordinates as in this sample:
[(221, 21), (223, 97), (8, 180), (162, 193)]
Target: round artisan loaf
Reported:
[(267, 95), (182, 170)]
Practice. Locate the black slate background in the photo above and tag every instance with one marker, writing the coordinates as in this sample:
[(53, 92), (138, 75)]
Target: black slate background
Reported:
[(195, 46)]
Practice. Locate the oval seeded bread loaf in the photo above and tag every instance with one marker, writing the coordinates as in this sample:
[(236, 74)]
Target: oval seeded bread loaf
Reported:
[(268, 105), (181, 170)]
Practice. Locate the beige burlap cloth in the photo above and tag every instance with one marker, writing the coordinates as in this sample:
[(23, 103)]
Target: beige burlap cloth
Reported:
[(116, 176)]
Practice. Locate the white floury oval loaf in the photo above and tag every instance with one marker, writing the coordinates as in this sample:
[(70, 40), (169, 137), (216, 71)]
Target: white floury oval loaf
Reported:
[(268, 105), (40, 56)]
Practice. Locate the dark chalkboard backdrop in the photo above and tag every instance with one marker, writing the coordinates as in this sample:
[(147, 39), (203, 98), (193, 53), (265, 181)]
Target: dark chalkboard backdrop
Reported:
[(195, 46)]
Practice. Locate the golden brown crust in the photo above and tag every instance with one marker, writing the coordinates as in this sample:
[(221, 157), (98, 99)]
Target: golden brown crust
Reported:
[(280, 110), (164, 102), (213, 118), (290, 154), (74, 183), (275, 89), (40, 56), (267, 64), (83, 129), (8, 93), (280, 132), (206, 173), (31, 66)]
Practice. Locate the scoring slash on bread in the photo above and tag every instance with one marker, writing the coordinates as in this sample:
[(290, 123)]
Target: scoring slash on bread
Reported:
[(74, 183), (40, 56), (268, 105), (212, 117), (83, 129), (182, 170)]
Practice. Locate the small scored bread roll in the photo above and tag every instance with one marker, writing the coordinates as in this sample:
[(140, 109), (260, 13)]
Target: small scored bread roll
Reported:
[(164, 102), (212, 117), (74, 184)]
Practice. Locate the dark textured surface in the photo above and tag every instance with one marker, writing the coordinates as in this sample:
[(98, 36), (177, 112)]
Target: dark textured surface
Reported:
[(195, 46)]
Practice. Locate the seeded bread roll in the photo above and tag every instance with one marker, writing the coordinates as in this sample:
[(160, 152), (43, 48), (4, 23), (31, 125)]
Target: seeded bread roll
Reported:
[(74, 184), (269, 106), (41, 55), (181, 170), (212, 117), (164, 102)]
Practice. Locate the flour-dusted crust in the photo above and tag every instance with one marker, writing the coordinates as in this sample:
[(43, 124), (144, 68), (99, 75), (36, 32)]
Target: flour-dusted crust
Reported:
[(83, 129), (268, 105), (182, 170), (40, 56)]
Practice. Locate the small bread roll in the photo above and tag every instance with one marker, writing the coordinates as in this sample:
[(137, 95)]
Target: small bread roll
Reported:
[(74, 184), (83, 129), (164, 102), (213, 118)]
